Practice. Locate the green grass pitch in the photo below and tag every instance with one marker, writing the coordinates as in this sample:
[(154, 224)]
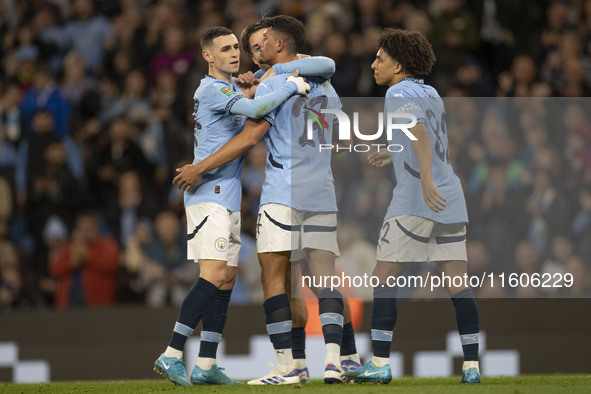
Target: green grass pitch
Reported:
[(514, 385)]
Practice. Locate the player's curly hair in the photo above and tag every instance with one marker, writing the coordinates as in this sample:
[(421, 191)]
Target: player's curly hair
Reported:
[(409, 48), (246, 33), (292, 31), (212, 33)]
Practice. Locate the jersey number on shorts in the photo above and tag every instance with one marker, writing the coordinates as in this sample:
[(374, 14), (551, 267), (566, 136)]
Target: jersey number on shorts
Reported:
[(383, 239)]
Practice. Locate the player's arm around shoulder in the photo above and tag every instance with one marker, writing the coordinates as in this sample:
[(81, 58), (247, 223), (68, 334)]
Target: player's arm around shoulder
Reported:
[(308, 66), (271, 98)]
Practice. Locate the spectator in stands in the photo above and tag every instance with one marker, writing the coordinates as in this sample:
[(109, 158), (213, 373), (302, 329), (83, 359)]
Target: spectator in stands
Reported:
[(86, 266), (131, 207), (581, 224), (175, 56), (527, 261), (30, 155), (566, 68), (75, 83), (581, 287), (87, 33), (11, 281), (160, 262), (562, 249), (454, 36), (12, 122), (548, 209), (518, 81), (118, 155), (132, 98), (6, 206), (45, 95)]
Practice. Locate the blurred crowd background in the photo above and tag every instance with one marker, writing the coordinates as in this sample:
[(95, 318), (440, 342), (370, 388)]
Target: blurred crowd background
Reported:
[(96, 114)]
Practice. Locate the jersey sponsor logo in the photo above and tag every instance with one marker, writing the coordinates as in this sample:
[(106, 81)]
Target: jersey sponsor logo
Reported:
[(221, 244), (227, 91)]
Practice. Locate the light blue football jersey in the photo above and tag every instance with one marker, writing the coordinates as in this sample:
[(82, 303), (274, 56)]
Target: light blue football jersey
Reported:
[(411, 95), (214, 126), (297, 174)]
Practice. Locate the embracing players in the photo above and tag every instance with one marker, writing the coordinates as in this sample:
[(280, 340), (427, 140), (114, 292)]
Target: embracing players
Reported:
[(212, 209), (298, 203)]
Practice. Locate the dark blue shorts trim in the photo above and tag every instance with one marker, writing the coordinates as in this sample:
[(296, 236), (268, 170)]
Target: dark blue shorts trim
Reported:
[(424, 240)]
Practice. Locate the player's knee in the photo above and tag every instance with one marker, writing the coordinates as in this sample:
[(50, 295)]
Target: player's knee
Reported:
[(218, 279)]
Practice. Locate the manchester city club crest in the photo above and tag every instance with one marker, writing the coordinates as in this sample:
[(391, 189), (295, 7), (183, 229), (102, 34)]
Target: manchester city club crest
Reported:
[(221, 244)]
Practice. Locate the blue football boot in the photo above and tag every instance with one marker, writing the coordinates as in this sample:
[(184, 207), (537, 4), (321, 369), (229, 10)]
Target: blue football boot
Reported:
[(470, 372), (173, 369), (213, 376), (371, 373)]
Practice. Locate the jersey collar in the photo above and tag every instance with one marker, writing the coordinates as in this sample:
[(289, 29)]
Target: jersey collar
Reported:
[(212, 77), (415, 80)]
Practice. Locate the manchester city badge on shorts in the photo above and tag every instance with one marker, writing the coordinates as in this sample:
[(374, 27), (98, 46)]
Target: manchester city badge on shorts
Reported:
[(221, 244)]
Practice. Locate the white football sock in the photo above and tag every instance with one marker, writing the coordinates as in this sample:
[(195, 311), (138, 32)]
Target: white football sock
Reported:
[(333, 354), (172, 352), (300, 363), (380, 361), (470, 364), (205, 363), (284, 360)]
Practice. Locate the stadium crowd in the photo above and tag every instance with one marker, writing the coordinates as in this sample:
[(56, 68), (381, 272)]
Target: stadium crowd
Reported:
[(96, 115)]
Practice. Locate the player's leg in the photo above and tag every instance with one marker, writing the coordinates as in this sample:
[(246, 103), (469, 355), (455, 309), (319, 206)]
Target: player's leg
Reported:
[(383, 319), (350, 360), (299, 315), (403, 239), (274, 247), (170, 364), (319, 243), (214, 321), (330, 309), (206, 370), (467, 319), (208, 226), (448, 250)]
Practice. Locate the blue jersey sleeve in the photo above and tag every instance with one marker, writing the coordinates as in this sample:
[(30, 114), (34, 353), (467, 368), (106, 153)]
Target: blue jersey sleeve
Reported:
[(264, 89), (317, 66), (218, 97), (263, 104), (222, 98)]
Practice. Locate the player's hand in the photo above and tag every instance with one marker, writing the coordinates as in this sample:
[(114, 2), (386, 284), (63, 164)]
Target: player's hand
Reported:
[(302, 55), (432, 197), (302, 85), (379, 159), (188, 176), (247, 79), (248, 83)]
